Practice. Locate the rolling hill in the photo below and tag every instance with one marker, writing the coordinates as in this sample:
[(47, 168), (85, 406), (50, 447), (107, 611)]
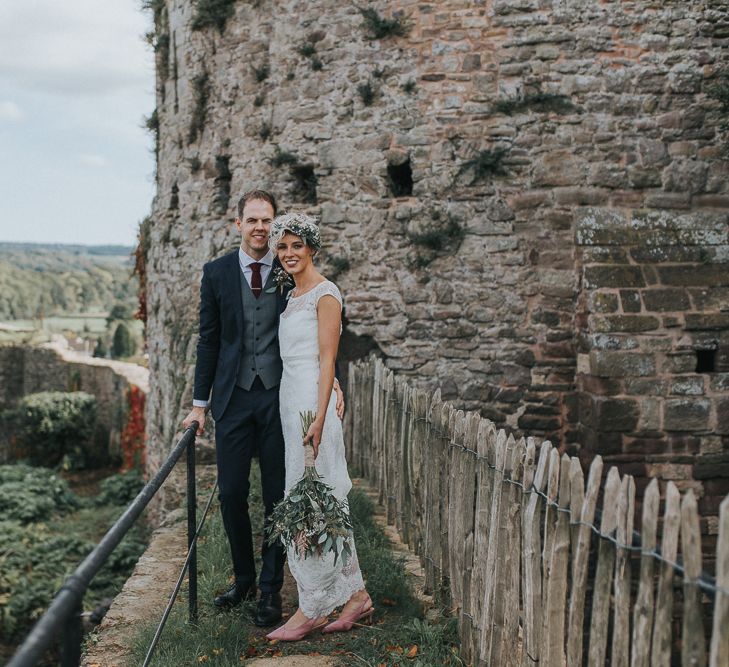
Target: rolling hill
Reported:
[(41, 280)]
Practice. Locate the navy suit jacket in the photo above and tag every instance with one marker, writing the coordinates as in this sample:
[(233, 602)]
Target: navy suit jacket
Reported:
[(220, 344)]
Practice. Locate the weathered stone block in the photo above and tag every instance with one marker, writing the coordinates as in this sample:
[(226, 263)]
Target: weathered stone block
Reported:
[(613, 276), (672, 471), (630, 323), (580, 196), (692, 385), (650, 415), (601, 341), (720, 382), (561, 167), (712, 201), (607, 363), (683, 446), (712, 465), (710, 298), (711, 444), (530, 422), (605, 255), (476, 391), (704, 274), (498, 211), (549, 317), (722, 415), (644, 177), (630, 299), (681, 362), (601, 386), (707, 321), (644, 446), (685, 176), (662, 300), (530, 199), (656, 254), (617, 414), (602, 302), (646, 386), (686, 414), (516, 375), (609, 443), (656, 344)]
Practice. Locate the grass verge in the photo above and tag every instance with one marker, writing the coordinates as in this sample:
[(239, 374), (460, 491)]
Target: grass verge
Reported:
[(399, 635)]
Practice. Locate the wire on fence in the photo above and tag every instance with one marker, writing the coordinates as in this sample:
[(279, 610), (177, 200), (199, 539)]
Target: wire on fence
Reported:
[(705, 582)]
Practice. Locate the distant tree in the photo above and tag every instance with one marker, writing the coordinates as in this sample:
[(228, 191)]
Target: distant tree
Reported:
[(122, 345), (119, 311), (100, 350)]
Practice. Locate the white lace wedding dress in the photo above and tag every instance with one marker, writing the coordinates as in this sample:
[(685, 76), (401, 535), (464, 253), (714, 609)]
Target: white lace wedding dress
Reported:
[(322, 585)]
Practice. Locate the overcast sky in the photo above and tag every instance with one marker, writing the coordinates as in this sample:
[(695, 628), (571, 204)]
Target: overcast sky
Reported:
[(76, 79)]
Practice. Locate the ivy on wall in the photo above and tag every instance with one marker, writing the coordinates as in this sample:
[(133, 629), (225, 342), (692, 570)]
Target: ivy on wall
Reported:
[(133, 435)]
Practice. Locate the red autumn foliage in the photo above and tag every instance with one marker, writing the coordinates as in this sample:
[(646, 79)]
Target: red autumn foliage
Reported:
[(133, 435), (140, 268)]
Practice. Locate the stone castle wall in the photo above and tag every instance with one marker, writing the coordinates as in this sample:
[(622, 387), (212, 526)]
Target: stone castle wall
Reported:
[(27, 370), (559, 259)]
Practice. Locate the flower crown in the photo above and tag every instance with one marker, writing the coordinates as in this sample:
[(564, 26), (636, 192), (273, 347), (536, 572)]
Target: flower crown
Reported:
[(299, 224)]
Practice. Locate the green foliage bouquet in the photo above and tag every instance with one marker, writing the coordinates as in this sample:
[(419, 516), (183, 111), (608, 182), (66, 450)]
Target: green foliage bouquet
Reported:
[(310, 518)]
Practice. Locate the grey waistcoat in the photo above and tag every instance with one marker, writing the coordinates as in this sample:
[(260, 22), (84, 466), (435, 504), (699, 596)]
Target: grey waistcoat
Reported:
[(259, 352)]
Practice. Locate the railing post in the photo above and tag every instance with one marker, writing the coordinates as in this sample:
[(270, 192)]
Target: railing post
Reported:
[(72, 635), (192, 529)]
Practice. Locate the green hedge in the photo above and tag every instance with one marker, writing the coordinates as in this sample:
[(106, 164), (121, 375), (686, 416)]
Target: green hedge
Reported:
[(53, 427), (34, 564), (30, 494), (46, 531), (120, 489)]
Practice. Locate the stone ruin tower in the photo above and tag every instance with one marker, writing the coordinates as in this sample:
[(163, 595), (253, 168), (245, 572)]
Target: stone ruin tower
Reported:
[(523, 201)]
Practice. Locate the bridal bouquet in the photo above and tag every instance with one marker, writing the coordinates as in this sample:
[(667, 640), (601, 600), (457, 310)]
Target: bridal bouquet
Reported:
[(310, 518)]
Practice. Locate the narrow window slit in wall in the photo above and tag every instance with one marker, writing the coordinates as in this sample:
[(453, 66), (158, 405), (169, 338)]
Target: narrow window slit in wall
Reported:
[(305, 183), (705, 361), (401, 179)]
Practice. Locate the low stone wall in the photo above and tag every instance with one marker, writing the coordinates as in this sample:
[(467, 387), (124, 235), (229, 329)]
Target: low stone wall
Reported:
[(52, 367)]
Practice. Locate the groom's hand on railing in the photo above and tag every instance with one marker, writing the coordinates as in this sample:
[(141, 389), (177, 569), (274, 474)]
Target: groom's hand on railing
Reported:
[(197, 414)]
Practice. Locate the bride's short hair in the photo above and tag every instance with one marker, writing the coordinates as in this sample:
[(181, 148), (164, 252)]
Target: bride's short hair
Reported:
[(299, 224)]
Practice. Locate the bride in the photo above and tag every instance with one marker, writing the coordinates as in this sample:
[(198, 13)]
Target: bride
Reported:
[(309, 333)]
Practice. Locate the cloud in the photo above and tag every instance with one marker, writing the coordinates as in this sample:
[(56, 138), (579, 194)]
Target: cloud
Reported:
[(74, 48), (10, 111), (90, 160)]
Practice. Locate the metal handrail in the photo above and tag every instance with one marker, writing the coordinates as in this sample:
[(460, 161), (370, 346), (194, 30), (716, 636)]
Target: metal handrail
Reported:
[(64, 612)]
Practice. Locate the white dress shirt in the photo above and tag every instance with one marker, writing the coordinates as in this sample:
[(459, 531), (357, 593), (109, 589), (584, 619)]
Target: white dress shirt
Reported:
[(245, 261)]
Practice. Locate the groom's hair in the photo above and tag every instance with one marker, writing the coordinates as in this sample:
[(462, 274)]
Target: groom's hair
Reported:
[(256, 194)]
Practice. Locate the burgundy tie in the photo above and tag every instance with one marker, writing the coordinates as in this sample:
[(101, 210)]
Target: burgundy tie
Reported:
[(256, 284)]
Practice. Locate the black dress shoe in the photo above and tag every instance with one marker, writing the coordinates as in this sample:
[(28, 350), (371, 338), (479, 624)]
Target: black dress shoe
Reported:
[(236, 594), (268, 611)]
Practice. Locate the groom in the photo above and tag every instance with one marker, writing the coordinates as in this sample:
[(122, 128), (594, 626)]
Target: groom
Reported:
[(238, 359)]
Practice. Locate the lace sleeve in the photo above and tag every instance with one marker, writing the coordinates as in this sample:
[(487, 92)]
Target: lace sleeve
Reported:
[(328, 287)]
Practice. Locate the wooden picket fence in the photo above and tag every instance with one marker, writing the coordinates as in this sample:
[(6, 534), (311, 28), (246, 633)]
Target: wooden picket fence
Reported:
[(512, 539)]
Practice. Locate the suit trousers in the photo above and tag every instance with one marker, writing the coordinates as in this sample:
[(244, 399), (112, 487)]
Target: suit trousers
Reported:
[(251, 423)]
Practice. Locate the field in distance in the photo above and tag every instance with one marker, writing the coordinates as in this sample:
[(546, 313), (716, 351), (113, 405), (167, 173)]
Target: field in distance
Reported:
[(40, 282)]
